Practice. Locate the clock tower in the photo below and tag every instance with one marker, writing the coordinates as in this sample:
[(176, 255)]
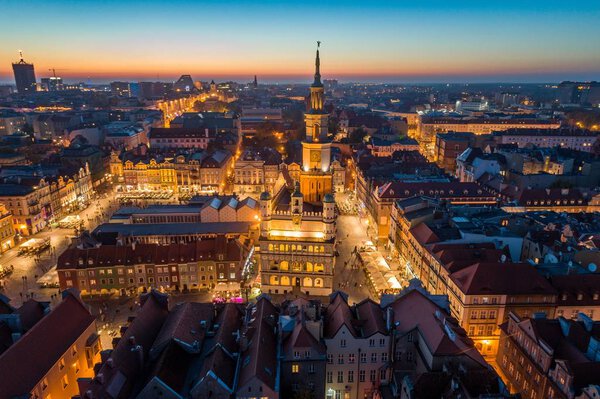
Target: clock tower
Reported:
[(316, 176)]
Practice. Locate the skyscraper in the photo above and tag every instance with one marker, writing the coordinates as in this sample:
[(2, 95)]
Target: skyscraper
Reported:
[(24, 76)]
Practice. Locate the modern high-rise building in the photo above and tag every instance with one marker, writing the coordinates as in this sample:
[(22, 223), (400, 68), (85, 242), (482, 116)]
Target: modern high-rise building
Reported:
[(24, 76), (53, 83)]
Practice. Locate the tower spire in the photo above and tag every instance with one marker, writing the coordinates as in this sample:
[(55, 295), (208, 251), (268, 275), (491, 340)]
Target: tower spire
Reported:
[(317, 81)]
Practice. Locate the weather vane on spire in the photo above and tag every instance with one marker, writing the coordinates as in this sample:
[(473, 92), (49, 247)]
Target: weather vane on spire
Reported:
[(318, 43)]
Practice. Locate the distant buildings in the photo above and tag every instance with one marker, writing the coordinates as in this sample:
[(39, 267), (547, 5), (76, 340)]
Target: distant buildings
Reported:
[(386, 148), (192, 171), (430, 126), (163, 138), (581, 93), (11, 122), (448, 146), (121, 89), (24, 76), (580, 140), (256, 171), (252, 118)]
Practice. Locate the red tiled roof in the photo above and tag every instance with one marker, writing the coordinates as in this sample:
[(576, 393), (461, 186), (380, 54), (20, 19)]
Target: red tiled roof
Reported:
[(302, 338), (115, 255), (259, 360), (180, 132), (414, 311), (29, 359), (501, 278), (400, 189), (570, 286), (183, 326), (423, 234), (143, 330), (370, 315), (31, 312), (338, 314)]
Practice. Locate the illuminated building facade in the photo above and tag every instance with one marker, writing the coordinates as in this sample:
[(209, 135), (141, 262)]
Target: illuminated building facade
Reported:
[(297, 243)]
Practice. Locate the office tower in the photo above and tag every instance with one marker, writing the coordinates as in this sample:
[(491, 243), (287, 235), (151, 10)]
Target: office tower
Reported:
[(24, 76)]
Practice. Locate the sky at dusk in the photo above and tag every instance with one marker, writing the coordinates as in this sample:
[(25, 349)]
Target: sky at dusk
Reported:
[(386, 41)]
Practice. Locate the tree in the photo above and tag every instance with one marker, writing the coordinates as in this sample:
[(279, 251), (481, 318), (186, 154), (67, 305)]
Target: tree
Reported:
[(357, 136)]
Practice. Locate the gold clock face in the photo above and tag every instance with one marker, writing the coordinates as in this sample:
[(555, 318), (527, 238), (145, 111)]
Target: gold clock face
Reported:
[(315, 156)]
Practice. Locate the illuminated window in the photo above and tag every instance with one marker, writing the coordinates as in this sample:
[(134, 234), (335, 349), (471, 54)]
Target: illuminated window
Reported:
[(295, 368)]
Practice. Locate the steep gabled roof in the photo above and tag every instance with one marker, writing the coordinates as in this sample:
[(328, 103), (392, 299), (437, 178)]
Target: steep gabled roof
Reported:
[(28, 360)]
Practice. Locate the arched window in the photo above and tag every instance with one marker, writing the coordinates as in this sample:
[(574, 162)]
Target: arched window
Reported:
[(285, 280), (309, 267), (274, 280), (307, 282), (284, 265), (319, 267), (318, 282)]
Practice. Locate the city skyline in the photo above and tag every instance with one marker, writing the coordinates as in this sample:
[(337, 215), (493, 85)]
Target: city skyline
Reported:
[(386, 42)]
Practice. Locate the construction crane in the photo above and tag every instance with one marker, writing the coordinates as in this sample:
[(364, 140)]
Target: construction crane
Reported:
[(53, 70)]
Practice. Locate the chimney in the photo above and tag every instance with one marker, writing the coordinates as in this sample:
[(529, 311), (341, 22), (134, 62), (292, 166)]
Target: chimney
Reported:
[(389, 318), (140, 355), (588, 323), (243, 343), (539, 316)]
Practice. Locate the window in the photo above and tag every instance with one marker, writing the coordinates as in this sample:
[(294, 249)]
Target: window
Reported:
[(382, 342), (361, 376), (340, 359), (384, 357), (351, 376), (373, 357), (363, 357), (65, 381), (311, 368), (296, 355), (373, 375), (61, 364), (340, 378), (382, 374), (371, 342), (295, 368), (409, 356), (329, 358), (306, 354), (329, 377), (351, 358), (343, 343)]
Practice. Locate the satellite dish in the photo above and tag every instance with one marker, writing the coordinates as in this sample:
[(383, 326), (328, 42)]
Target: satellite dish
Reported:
[(592, 267)]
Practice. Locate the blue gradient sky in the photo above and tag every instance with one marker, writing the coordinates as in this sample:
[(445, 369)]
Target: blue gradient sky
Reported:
[(395, 41)]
